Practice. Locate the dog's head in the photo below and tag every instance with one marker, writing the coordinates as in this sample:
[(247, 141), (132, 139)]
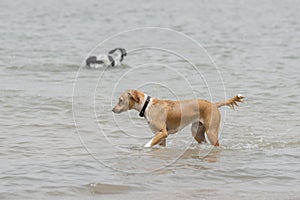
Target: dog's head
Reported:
[(124, 53), (118, 53), (128, 100)]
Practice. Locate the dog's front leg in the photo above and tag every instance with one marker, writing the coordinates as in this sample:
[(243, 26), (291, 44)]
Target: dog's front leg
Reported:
[(159, 137)]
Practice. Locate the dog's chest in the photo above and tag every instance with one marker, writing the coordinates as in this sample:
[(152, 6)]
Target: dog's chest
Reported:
[(152, 126)]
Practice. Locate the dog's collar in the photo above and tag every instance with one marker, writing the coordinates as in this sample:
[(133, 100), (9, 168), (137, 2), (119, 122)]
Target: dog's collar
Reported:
[(112, 61), (123, 54), (142, 113)]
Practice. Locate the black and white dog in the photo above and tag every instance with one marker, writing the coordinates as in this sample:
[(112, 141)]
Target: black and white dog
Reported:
[(114, 58)]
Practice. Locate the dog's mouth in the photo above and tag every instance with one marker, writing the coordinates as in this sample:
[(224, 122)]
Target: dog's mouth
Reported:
[(117, 111)]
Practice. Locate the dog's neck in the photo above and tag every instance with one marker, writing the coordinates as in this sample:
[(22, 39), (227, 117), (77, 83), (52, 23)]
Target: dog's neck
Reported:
[(139, 106)]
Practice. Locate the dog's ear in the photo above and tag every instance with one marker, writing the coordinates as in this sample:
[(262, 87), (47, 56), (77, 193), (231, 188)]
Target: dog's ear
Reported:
[(134, 95)]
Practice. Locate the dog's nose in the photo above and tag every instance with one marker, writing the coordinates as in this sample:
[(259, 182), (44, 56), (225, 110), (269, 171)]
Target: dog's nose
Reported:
[(113, 110)]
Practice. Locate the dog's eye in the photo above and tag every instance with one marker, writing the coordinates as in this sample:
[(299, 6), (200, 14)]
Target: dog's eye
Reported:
[(120, 101)]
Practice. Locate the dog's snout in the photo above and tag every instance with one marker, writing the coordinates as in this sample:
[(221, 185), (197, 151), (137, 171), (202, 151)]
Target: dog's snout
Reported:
[(117, 110)]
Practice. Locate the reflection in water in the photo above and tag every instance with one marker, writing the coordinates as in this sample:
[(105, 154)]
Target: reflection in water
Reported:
[(101, 188)]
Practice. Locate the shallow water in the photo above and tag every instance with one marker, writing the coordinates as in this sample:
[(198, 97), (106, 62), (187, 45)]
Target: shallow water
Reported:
[(60, 140)]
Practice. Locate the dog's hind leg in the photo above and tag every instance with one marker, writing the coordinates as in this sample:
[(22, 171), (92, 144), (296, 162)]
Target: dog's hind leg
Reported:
[(213, 137), (198, 132), (212, 125)]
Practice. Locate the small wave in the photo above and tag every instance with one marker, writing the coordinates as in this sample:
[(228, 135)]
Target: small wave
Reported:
[(104, 188), (45, 67), (262, 144)]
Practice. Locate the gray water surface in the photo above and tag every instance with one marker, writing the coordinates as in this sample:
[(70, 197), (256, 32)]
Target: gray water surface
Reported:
[(60, 140)]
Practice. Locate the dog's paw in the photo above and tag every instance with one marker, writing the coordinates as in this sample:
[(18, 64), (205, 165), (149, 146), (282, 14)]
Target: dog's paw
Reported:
[(148, 144)]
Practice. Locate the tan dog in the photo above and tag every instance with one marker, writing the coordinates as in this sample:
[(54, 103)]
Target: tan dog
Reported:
[(167, 117)]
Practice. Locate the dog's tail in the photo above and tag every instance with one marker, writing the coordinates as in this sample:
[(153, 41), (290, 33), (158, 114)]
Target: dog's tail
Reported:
[(231, 102)]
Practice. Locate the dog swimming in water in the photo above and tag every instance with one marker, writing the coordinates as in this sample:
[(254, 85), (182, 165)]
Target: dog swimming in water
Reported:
[(114, 58)]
